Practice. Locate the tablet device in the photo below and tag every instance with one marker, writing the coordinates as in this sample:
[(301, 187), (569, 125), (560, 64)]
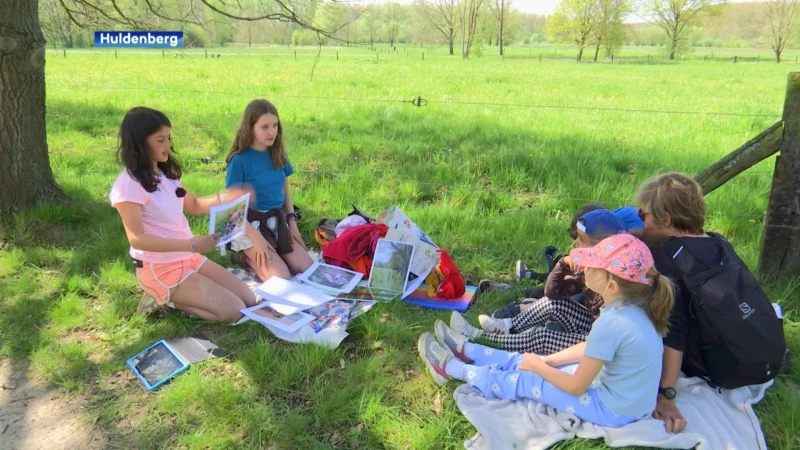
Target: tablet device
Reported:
[(157, 364)]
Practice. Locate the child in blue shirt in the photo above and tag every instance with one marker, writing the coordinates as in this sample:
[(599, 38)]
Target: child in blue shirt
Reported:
[(258, 161), (617, 377)]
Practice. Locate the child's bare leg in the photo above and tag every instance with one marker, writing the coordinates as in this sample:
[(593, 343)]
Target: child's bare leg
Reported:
[(200, 296)]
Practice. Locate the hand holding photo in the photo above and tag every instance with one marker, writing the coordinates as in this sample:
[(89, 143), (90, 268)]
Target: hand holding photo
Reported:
[(390, 266), (331, 278), (228, 219)]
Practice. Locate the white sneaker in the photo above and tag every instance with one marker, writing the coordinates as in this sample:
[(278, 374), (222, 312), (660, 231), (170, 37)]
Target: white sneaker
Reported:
[(494, 326), (462, 327)]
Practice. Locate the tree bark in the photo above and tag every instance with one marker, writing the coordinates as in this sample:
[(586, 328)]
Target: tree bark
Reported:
[(673, 45), (596, 52), (25, 171), (451, 47), (500, 37)]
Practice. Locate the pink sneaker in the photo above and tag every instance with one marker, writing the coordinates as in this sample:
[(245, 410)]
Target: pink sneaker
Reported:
[(435, 358), (450, 339)]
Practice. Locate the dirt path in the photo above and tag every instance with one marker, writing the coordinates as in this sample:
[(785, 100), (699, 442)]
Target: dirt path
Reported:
[(33, 417)]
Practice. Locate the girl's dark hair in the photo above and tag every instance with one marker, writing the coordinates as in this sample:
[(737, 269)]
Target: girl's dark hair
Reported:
[(587, 208), (244, 135), (138, 124)]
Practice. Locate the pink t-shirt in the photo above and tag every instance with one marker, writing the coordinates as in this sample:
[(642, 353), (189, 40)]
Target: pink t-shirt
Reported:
[(162, 214)]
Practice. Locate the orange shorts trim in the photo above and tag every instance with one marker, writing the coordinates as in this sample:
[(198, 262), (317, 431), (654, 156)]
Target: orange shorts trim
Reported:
[(156, 279)]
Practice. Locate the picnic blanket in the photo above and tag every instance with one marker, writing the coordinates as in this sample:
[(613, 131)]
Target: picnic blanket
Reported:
[(420, 298), (715, 420), (338, 313)]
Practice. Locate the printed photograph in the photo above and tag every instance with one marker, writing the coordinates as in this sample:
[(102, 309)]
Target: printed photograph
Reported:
[(329, 277), (390, 265), (228, 220), (359, 293)]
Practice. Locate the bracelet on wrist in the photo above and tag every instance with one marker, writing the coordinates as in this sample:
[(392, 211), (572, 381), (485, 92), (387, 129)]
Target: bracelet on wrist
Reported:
[(194, 249)]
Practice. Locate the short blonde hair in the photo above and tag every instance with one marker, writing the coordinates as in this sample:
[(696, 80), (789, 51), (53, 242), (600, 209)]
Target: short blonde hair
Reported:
[(675, 196)]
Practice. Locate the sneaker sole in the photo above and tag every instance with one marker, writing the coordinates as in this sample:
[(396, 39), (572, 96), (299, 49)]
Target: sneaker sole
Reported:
[(437, 378)]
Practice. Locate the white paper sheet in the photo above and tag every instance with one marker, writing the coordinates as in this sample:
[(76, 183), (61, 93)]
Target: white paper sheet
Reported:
[(287, 323), (425, 255), (288, 297)]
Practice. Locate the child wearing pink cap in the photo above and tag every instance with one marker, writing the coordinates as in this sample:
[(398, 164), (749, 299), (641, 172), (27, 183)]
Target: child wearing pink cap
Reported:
[(618, 368)]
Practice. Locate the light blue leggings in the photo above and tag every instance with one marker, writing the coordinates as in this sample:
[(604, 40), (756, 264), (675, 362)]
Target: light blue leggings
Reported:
[(495, 374)]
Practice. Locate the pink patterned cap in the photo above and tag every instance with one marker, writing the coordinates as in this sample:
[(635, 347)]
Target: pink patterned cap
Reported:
[(621, 254)]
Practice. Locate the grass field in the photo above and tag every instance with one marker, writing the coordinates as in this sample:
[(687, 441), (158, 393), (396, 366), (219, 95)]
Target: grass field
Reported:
[(489, 183)]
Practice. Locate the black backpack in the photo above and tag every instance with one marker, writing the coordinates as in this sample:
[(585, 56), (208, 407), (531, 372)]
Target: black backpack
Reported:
[(741, 334)]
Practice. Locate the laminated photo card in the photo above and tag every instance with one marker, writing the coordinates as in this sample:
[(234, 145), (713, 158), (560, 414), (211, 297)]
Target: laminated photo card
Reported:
[(264, 314), (391, 265), (229, 219), (331, 278)]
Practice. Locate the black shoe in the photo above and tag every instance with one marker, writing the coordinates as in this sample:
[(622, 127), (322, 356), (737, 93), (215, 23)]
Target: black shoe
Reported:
[(491, 286), (551, 257), (506, 312)]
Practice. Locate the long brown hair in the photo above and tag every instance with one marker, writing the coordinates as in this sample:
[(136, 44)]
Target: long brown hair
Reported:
[(244, 135), (138, 124), (658, 298)]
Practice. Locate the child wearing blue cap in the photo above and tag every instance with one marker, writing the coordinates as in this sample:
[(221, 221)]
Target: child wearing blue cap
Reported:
[(561, 303)]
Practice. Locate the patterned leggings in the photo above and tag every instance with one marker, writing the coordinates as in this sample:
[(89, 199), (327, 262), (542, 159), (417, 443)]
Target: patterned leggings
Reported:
[(575, 318), (496, 374)]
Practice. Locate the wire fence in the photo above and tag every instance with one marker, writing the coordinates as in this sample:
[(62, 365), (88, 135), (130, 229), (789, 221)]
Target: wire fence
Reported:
[(204, 163), (626, 55)]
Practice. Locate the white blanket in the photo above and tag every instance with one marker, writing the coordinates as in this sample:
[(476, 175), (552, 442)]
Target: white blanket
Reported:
[(715, 421)]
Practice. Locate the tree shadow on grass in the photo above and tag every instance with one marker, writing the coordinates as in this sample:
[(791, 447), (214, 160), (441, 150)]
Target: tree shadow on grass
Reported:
[(487, 197)]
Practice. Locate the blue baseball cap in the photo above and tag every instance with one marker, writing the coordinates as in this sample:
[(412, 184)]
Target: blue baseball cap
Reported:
[(600, 222), (629, 217)]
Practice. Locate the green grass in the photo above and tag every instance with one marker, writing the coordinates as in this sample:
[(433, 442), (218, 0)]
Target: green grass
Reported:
[(488, 183)]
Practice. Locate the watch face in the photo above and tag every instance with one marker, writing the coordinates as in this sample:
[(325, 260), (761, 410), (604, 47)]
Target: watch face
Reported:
[(670, 393)]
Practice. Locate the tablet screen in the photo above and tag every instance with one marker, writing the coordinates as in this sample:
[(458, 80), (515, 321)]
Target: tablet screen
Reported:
[(156, 364)]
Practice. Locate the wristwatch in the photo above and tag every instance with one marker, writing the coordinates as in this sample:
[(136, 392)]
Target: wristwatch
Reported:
[(291, 215), (668, 392)]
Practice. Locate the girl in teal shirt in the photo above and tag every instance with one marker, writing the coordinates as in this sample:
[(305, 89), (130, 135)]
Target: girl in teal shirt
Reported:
[(258, 161)]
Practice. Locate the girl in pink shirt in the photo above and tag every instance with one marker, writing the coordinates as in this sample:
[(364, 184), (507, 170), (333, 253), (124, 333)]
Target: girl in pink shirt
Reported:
[(151, 200)]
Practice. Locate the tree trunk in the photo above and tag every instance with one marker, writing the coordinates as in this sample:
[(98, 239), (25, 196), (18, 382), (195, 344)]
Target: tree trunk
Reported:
[(673, 46), (596, 52), (451, 46), (778, 56), (24, 160), (500, 38), (580, 54)]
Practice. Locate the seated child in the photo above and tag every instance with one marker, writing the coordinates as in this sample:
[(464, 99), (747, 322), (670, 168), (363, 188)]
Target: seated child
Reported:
[(561, 303), (629, 217), (619, 366)]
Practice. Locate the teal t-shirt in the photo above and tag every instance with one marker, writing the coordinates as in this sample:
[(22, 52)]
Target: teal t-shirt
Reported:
[(625, 338), (256, 170)]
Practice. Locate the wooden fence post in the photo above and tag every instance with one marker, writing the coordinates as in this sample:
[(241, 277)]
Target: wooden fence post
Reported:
[(780, 253)]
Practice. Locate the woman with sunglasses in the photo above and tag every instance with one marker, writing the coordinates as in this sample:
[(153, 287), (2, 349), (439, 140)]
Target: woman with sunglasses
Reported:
[(169, 261)]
